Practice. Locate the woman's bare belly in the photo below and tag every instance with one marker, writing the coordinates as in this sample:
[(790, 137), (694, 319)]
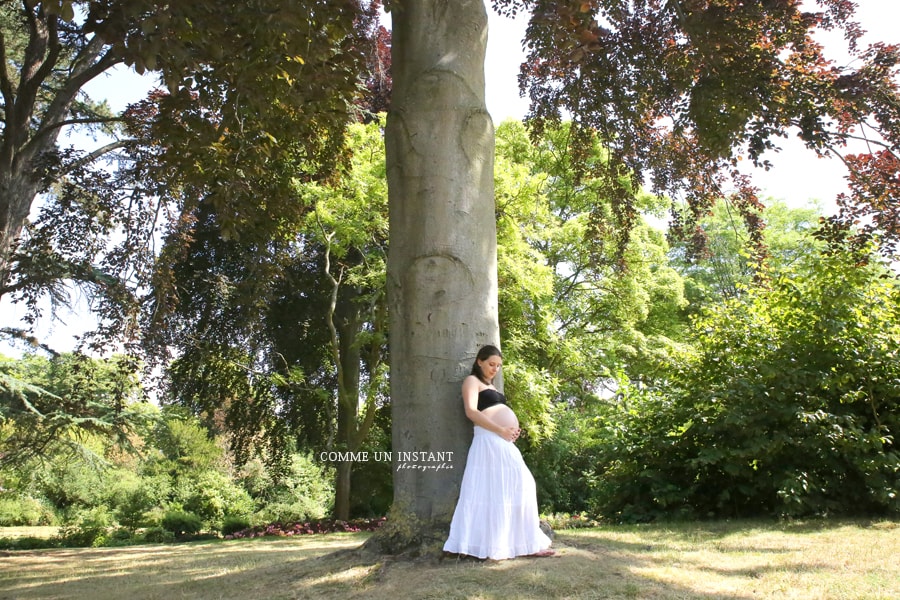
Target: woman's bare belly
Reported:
[(502, 415)]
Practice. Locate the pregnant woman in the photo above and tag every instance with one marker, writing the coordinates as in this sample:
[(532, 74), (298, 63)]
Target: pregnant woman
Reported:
[(496, 515)]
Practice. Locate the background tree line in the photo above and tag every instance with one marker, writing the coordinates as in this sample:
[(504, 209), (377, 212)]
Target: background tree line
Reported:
[(240, 246), (662, 387), (165, 477)]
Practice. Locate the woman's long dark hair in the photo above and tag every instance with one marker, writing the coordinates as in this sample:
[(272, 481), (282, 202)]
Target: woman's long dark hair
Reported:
[(483, 354)]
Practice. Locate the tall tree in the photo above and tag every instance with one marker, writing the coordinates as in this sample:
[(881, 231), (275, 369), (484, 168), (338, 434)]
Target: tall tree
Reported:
[(280, 335), (678, 90), (351, 230), (442, 261), (682, 91), (725, 269)]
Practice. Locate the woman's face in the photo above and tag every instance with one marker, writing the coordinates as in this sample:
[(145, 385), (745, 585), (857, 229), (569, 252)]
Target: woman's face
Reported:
[(490, 366)]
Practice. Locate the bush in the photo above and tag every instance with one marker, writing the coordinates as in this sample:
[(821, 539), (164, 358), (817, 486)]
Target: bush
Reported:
[(90, 529), (302, 509), (72, 485), (232, 524), (158, 535), (24, 511), (211, 495), (134, 506), (787, 405), (28, 543), (182, 524), (304, 492)]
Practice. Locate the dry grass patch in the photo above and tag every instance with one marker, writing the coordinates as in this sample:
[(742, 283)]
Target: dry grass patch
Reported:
[(37, 532), (718, 560)]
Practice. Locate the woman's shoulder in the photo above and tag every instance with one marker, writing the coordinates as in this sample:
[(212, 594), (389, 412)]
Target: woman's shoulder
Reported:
[(473, 382)]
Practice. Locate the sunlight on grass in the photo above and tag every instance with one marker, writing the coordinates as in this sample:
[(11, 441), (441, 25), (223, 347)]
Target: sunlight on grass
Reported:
[(699, 560), (37, 532), (349, 576)]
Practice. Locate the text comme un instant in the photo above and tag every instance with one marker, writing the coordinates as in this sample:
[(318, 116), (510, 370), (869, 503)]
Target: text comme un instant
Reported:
[(413, 456)]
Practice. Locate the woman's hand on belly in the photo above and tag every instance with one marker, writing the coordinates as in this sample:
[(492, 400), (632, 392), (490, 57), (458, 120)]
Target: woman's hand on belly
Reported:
[(504, 417)]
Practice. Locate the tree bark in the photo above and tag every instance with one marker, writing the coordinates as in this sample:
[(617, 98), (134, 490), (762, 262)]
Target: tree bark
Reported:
[(442, 261)]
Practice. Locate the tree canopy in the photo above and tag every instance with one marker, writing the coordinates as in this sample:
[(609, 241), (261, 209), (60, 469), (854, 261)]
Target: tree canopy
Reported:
[(256, 93), (682, 91), (679, 92)]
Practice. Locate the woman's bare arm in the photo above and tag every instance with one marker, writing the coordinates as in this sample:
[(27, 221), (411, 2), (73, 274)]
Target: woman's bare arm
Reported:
[(470, 402)]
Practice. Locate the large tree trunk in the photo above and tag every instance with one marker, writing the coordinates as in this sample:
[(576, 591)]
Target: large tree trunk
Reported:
[(442, 263)]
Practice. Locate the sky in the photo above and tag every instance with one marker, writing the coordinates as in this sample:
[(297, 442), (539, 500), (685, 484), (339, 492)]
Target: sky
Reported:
[(797, 176)]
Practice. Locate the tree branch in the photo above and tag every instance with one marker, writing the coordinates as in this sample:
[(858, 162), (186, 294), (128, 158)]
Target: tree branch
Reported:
[(25, 336), (332, 307), (6, 88), (59, 107), (40, 58), (92, 156)]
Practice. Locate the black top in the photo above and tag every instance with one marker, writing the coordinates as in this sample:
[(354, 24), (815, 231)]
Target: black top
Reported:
[(489, 397)]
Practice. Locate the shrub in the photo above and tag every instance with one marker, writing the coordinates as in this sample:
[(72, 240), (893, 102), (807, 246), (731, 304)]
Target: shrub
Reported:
[(158, 535), (787, 405), (304, 492), (211, 495), (303, 509), (121, 536), (135, 494), (233, 524), (28, 543), (24, 511), (72, 485), (90, 529), (182, 524)]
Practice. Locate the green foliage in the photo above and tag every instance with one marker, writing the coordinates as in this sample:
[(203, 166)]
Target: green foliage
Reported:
[(21, 510), (212, 495), (72, 485), (563, 463), (186, 446), (574, 308), (158, 535), (373, 491), (182, 524), (135, 503), (232, 524), (243, 130), (67, 403), (181, 468), (305, 491), (90, 528), (683, 91), (726, 268), (786, 406), (280, 332)]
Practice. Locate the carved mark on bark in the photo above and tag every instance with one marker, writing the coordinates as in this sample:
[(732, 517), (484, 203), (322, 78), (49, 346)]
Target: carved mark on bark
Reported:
[(439, 280), (477, 136)]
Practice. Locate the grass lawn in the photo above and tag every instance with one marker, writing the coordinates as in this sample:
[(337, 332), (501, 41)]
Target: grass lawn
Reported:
[(742, 559)]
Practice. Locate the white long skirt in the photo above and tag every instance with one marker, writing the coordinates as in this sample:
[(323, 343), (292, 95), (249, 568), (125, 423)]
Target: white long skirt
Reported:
[(496, 515)]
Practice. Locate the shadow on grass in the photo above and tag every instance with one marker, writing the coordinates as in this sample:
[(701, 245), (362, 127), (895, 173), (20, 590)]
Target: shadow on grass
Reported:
[(733, 561)]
